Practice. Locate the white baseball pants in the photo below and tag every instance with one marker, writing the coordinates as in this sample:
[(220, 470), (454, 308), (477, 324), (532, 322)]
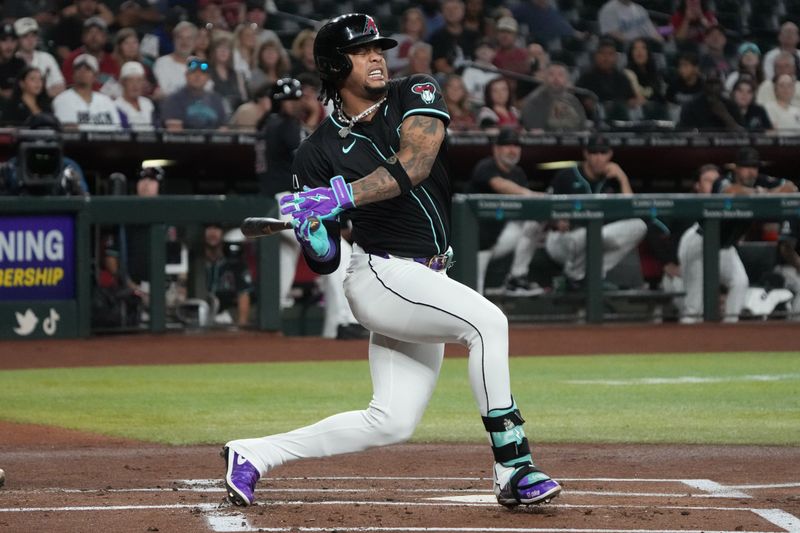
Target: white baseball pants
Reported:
[(518, 236), (731, 274), (412, 311)]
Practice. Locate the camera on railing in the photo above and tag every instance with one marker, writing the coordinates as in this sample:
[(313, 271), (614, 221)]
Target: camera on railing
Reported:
[(39, 169)]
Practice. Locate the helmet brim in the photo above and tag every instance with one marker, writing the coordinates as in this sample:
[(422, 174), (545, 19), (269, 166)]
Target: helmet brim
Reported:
[(384, 42)]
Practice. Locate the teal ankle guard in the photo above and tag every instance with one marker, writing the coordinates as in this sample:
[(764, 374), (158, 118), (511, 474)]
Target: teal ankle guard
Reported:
[(509, 445)]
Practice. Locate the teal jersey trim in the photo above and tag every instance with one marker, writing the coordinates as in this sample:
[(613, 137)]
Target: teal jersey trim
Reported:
[(588, 185), (424, 111)]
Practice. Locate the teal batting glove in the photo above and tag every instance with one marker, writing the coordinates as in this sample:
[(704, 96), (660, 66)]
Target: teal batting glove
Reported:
[(315, 241)]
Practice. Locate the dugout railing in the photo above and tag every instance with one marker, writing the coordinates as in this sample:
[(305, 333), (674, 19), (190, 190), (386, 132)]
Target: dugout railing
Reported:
[(594, 210), (74, 311)]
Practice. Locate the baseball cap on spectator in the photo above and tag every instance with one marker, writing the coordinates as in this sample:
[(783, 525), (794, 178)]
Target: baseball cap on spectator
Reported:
[(747, 46), (152, 173), (507, 24), (131, 68), (597, 144), (95, 22), (506, 137), (25, 25), (7, 32), (748, 157), (88, 60)]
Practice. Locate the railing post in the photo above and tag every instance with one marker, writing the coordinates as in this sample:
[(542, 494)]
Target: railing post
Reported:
[(158, 279), (465, 243), (594, 271), (269, 312), (711, 228), (83, 272)]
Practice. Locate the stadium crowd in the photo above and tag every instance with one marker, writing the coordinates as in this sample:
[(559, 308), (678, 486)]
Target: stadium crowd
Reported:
[(537, 65)]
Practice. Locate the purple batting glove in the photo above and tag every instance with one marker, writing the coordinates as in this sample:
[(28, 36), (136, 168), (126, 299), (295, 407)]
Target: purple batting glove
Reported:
[(322, 202)]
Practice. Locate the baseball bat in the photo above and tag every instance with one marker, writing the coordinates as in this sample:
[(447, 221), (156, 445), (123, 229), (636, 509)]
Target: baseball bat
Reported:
[(253, 227)]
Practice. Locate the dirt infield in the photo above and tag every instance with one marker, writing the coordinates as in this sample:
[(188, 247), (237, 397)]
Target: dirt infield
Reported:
[(60, 480)]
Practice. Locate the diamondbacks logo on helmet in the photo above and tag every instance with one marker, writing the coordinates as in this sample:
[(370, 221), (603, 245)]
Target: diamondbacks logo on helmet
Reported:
[(369, 27), (426, 91)]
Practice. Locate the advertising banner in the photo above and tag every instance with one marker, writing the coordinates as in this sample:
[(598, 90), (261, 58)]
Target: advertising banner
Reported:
[(37, 258)]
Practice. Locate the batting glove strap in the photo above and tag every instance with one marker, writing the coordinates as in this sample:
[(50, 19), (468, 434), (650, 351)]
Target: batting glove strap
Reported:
[(343, 192)]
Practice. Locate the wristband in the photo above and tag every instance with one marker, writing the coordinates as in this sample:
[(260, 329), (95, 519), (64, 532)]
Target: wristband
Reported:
[(393, 166)]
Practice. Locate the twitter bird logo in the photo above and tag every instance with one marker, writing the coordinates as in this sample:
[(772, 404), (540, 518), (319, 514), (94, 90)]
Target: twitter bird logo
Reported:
[(27, 323)]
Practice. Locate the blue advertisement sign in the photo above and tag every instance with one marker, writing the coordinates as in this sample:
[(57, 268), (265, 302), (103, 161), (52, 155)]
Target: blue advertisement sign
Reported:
[(37, 258)]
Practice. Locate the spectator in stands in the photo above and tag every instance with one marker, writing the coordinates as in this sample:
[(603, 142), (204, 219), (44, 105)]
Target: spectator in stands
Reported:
[(420, 59), (228, 82), (302, 54), (566, 243), (126, 50), (170, 69), (233, 11), (244, 49), (744, 179), (136, 111), (29, 98), (788, 39), (501, 174), (412, 30), (256, 13), (783, 113), (646, 80), (44, 12), (313, 110), (227, 279), (453, 44), (688, 83), (552, 107), (714, 55), (81, 107), (95, 38), (209, 14), (747, 113), (27, 30), (480, 72), (509, 55), (202, 43), (434, 20), (499, 110), (10, 65), (544, 21), (784, 64), (140, 16), (272, 64), (457, 99), (710, 109), (68, 33), (691, 20), (789, 261), (539, 59), (625, 20), (475, 16), (613, 89), (194, 106), (749, 64), (248, 115)]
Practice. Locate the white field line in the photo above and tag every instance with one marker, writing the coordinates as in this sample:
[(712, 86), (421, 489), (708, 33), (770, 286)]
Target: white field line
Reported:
[(217, 481), (714, 489), (780, 518), (685, 380)]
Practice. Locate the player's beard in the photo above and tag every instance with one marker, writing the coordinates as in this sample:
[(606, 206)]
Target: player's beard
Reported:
[(376, 93)]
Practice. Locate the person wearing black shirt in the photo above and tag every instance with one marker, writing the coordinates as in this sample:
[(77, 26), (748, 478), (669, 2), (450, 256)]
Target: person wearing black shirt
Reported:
[(381, 159), (453, 44), (227, 278), (613, 88), (596, 174), (10, 65), (501, 174), (710, 110), (744, 179), (688, 82)]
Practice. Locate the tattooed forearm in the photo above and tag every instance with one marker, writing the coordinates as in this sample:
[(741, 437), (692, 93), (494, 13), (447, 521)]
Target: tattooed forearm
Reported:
[(420, 139)]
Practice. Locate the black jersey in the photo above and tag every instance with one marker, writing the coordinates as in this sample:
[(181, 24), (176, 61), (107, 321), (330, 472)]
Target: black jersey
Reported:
[(276, 144), (484, 172), (573, 181), (415, 224)]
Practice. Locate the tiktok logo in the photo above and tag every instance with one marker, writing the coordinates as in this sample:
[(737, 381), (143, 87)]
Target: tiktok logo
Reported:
[(50, 324)]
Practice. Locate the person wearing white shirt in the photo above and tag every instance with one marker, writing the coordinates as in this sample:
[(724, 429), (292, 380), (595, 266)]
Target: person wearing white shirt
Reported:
[(625, 20), (784, 115), (28, 34), (135, 110), (170, 69), (788, 38), (784, 64), (83, 108)]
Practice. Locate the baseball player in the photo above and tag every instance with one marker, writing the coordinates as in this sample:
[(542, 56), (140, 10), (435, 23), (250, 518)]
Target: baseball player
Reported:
[(381, 158), (280, 133), (501, 174), (743, 179), (789, 261), (596, 174)]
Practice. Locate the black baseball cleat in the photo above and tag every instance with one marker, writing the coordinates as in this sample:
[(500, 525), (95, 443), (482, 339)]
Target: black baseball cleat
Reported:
[(240, 478)]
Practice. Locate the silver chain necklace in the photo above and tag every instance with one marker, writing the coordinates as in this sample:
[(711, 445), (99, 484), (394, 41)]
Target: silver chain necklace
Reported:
[(345, 131)]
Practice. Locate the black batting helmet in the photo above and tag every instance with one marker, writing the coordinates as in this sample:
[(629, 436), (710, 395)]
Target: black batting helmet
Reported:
[(344, 33), (286, 89)]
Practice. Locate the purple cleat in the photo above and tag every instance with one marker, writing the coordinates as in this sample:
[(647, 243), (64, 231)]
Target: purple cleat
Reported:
[(525, 485), (240, 477)]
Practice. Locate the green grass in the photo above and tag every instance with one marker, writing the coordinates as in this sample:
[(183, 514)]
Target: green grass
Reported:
[(214, 403)]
